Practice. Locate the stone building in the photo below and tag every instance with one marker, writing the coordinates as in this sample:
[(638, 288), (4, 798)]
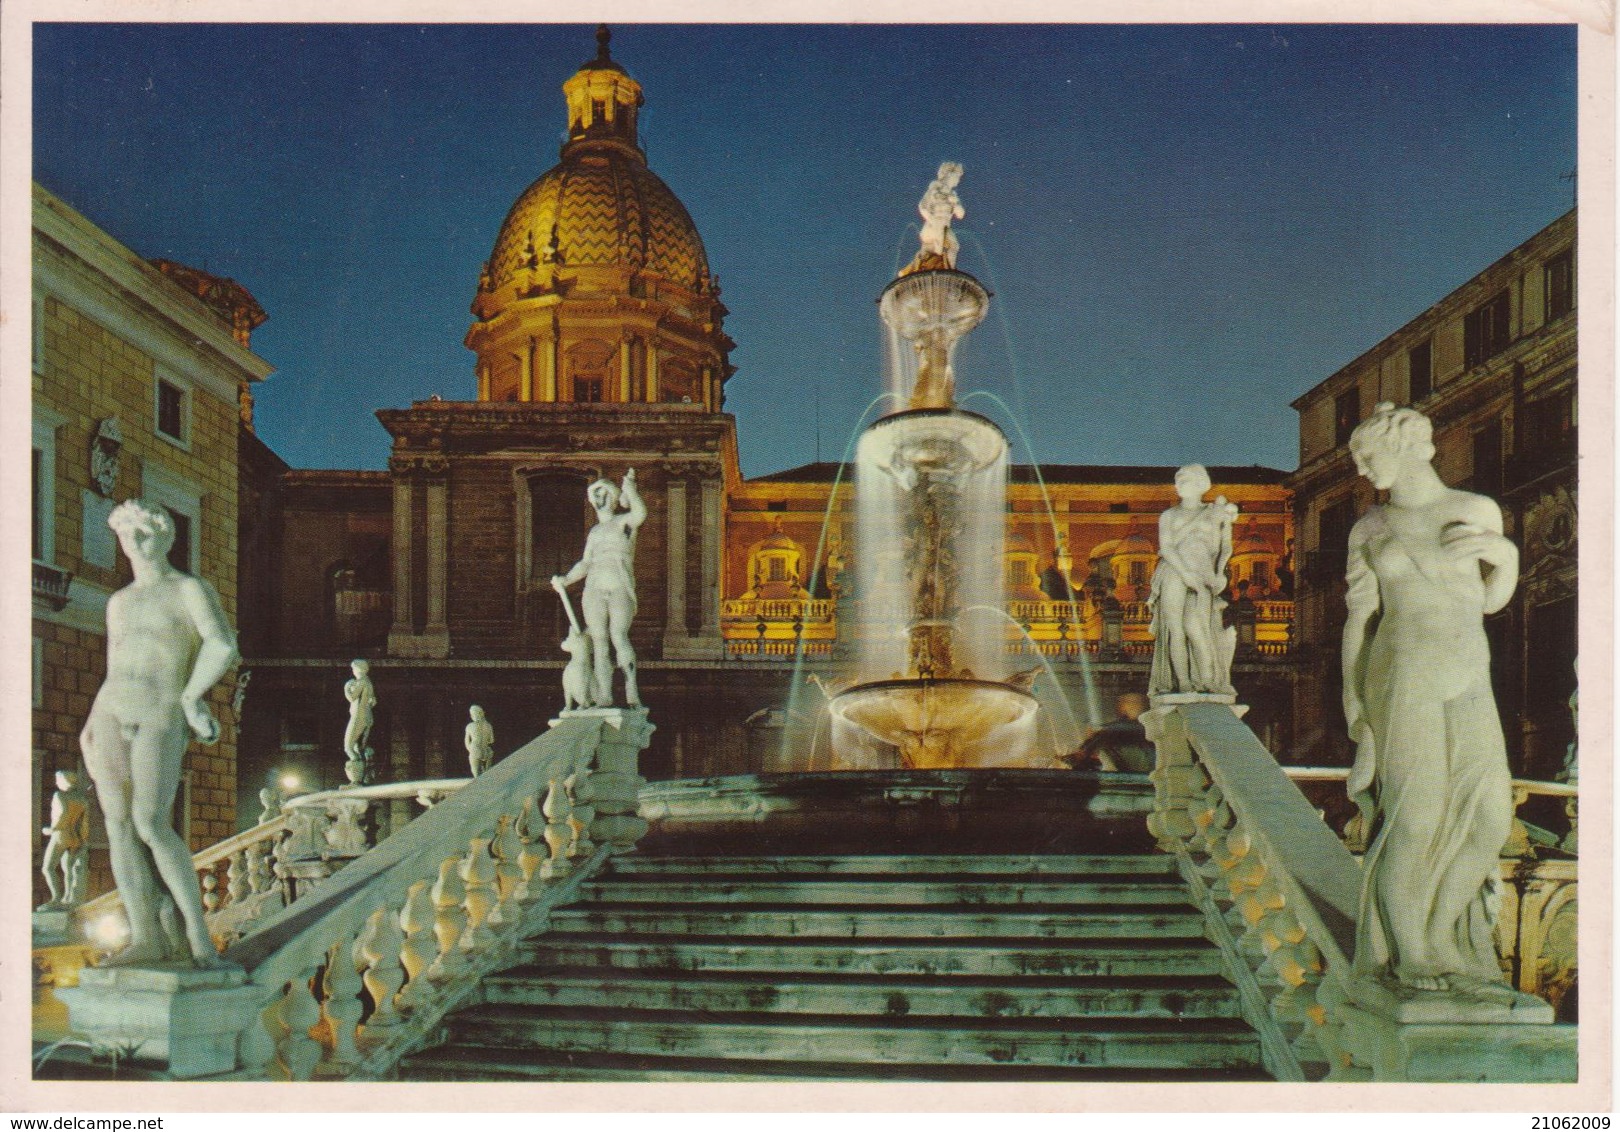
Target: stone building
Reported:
[(599, 344), (1493, 366), (141, 379)]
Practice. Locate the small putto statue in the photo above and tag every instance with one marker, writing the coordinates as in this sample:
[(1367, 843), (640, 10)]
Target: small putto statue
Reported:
[(168, 644), (1431, 772), (609, 597), (1192, 651), (479, 738), (939, 206), (67, 844)]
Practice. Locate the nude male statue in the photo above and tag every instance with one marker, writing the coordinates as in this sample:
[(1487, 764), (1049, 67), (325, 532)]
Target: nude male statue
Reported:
[(68, 837), (609, 600), (479, 739), (362, 697), (939, 206), (168, 644)]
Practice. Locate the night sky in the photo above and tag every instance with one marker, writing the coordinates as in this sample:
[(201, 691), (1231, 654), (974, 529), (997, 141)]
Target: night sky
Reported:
[(1184, 227)]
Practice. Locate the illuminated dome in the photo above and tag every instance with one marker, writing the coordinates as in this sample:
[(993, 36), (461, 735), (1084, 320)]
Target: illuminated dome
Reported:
[(598, 288)]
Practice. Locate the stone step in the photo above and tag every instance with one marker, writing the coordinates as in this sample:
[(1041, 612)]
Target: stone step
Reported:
[(835, 889), (1101, 1043), (483, 1063), (1155, 865), (1123, 958), (879, 995), (1164, 921)]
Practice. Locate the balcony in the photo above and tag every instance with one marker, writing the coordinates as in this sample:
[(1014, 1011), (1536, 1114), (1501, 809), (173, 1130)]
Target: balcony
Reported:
[(51, 585)]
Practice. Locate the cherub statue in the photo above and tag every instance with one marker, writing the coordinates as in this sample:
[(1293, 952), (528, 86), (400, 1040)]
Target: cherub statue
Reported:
[(168, 644), (609, 599), (479, 739), (939, 206), (68, 839)]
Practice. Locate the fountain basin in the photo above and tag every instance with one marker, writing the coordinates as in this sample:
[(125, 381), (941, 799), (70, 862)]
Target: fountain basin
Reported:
[(934, 722), (942, 303), (916, 442)]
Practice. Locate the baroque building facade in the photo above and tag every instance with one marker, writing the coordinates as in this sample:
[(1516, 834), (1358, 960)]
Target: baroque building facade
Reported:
[(599, 343), (1493, 366), (141, 387)]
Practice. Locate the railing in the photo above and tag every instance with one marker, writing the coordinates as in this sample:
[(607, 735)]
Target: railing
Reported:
[(1281, 891), (777, 649), (778, 609), (351, 978), (52, 585), (250, 887)]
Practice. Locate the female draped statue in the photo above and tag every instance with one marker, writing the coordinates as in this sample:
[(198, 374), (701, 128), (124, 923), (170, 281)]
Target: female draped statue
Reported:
[(1192, 652), (1431, 773)]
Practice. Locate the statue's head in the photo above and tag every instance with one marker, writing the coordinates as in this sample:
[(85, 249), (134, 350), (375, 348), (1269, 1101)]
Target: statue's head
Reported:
[(477, 713), (144, 530), (950, 172), (360, 667), (603, 496), (66, 780), (1388, 438), (1192, 481)]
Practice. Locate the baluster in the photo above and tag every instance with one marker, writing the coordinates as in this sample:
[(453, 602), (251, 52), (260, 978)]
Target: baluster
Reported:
[(478, 870), (210, 891), (418, 950), (504, 851), (558, 834), (256, 1053), (236, 877), (449, 922), (296, 1052), (340, 1012), (379, 945), (260, 876), (580, 815), (531, 831)]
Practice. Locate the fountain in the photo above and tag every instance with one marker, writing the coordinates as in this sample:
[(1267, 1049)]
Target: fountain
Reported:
[(930, 487)]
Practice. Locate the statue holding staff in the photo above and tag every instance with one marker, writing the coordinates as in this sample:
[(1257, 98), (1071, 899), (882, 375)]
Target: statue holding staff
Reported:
[(1431, 773), (168, 644), (609, 598)]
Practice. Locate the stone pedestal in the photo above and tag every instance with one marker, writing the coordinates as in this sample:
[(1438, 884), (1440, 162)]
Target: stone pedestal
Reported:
[(615, 785), (186, 1017), (51, 926), (1504, 1036)]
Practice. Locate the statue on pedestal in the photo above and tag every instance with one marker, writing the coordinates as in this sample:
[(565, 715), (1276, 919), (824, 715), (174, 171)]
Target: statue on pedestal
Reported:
[(939, 206), (362, 697), (479, 738), (1192, 651), (67, 844), (1431, 774), (168, 643), (609, 599)]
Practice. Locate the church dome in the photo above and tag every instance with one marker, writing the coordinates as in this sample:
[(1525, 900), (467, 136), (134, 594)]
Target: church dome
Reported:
[(600, 207)]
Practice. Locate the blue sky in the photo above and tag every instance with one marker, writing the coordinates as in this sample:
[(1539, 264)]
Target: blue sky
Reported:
[(1184, 227)]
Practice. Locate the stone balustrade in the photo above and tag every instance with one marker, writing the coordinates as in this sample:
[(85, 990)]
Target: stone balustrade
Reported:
[(1280, 891), (354, 975)]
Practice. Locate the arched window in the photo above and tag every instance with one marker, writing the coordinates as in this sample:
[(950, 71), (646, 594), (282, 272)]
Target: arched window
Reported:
[(589, 370)]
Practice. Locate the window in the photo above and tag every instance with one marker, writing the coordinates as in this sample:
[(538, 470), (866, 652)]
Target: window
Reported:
[(172, 411), (1346, 414), (1546, 427), (1420, 371), (589, 369), (1485, 331), (36, 534), (180, 552), (1487, 477), (42, 526), (587, 390), (1259, 574), (557, 524), (1559, 279), (1333, 526), (1137, 575), (1119, 508), (39, 333)]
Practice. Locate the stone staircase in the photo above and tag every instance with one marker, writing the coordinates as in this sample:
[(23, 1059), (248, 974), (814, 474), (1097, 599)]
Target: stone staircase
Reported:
[(951, 968)]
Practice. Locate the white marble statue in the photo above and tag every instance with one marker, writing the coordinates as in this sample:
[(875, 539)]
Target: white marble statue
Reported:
[(269, 804), (168, 644), (362, 697), (939, 206), (609, 599), (479, 738), (1431, 773), (67, 843), (1192, 651)]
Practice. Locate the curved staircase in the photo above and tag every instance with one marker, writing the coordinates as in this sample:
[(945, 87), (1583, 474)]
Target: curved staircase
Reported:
[(983, 968)]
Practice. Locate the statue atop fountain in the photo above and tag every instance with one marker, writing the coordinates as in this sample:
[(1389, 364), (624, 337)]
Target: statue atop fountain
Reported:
[(931, 500)]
